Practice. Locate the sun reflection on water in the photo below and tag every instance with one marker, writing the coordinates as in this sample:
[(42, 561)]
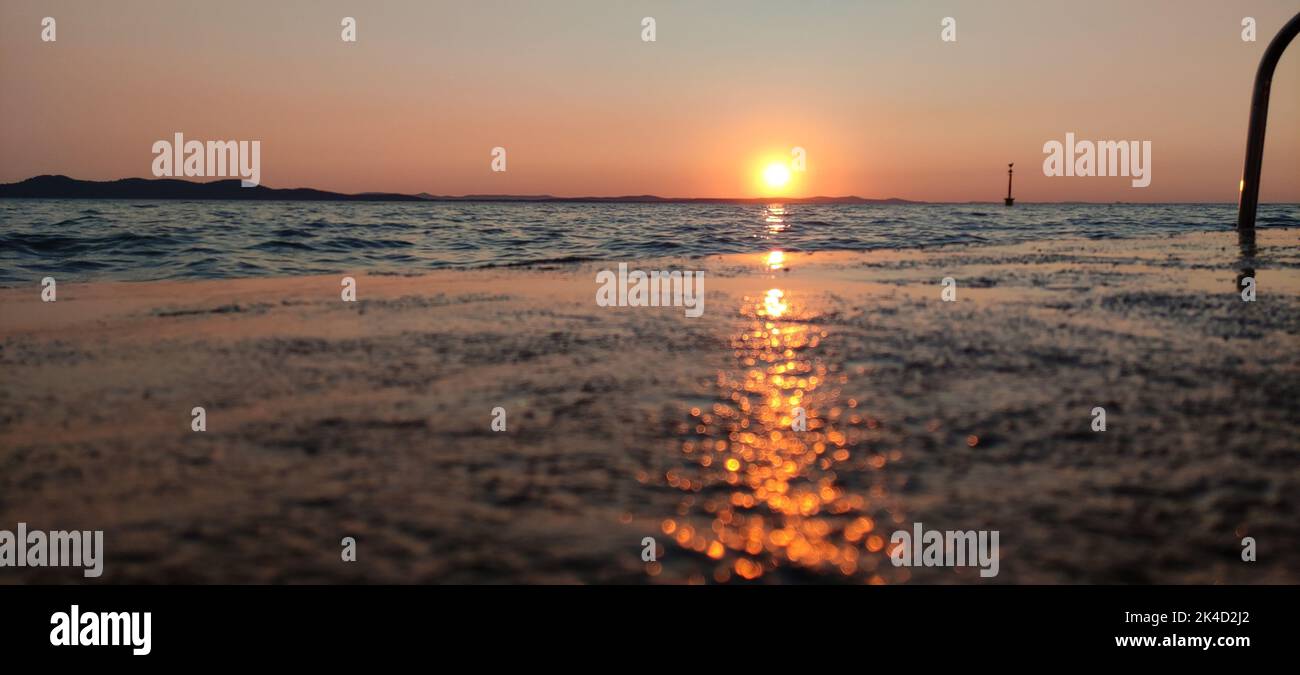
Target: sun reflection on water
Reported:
[(774, 215), (763, 500)]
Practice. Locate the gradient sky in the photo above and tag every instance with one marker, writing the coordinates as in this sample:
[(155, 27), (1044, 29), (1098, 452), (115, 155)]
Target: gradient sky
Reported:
[(882, 106)]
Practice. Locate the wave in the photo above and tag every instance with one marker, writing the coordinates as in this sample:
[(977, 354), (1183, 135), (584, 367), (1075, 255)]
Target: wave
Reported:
[(111, 240)]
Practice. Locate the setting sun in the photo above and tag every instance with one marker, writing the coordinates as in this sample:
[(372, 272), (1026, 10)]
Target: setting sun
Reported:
[(776, 175)]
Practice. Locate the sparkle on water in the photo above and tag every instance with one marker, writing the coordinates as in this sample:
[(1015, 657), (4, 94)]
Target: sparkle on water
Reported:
[(759, 499)]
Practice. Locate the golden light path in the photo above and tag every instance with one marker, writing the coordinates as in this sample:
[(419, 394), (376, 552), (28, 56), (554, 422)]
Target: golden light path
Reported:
[(762, 500), (774, 215)]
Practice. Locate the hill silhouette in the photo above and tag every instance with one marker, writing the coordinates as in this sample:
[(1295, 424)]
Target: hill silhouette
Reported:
[(63, 187)]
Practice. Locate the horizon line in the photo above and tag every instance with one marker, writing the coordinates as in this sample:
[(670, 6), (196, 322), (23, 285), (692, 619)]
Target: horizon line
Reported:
[(260, 193)]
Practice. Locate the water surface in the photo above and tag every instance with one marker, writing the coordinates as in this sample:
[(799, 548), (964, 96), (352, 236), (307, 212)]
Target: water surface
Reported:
[(143, 240)]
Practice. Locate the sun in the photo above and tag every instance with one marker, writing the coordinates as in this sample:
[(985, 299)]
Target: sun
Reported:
[(776, 175)]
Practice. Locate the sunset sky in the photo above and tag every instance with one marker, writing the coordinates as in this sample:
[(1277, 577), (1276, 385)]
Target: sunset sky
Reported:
[(583, 106)]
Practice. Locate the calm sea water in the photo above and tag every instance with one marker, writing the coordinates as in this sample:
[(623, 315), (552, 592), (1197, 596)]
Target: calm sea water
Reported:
[(128, 240)]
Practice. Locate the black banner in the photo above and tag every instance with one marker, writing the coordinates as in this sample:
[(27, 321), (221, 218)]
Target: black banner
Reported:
[(310, 624)]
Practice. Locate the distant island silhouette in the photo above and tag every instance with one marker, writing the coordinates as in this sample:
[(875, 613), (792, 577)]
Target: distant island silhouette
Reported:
[(63, 187)]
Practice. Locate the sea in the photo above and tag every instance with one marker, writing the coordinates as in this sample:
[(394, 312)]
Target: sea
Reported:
[(147, 240)]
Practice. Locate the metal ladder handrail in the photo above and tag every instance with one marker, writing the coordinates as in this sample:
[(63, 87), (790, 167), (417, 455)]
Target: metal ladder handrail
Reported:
[(1248, 203)]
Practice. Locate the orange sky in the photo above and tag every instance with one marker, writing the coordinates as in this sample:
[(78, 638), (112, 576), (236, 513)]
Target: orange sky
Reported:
[(882, 106)]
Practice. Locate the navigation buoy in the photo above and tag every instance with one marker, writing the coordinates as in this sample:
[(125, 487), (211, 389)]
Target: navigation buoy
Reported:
[(1009, 201)]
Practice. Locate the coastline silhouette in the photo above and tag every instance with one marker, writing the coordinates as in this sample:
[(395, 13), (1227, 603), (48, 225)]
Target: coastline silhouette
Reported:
[(64, 187)]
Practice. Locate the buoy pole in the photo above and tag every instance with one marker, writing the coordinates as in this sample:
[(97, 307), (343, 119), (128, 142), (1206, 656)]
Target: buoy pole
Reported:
[(1010, 200)]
